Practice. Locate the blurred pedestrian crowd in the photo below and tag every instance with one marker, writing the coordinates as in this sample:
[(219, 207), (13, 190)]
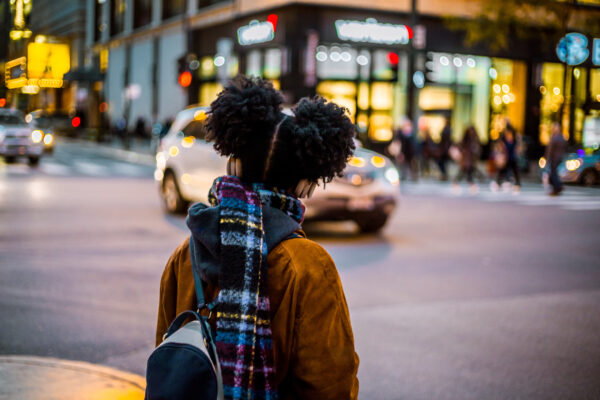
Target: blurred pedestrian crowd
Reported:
[(418, 155)]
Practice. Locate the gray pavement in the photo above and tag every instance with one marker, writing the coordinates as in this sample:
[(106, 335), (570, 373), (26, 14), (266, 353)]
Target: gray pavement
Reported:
[(460, 297)]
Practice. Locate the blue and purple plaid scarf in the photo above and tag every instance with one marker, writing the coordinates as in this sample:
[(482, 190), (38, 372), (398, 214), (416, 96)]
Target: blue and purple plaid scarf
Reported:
[(244, 339)]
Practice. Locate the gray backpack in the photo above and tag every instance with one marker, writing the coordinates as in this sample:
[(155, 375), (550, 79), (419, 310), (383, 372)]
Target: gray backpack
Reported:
[(185, 365)]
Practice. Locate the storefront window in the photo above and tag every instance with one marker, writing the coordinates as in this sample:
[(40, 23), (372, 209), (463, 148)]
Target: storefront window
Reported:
[(172, 8), (253, 63), (142, 13), (336, 62), (460, 89), (209, 92), (117, 16), (272, 68), (552, 98), (507, 95)]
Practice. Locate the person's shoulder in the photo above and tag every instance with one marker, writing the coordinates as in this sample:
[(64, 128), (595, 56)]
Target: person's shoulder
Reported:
[(306, 258), (179, 257)]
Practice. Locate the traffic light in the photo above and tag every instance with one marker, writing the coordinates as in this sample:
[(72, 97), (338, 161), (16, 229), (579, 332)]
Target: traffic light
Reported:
[(394, 61), (430, 69), (184, 76)]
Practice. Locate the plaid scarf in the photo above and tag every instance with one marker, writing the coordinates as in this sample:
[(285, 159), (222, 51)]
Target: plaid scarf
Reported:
[(244, 339)]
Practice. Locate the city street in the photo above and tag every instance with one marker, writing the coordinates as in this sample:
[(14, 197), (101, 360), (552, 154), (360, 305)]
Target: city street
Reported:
[(487, 296)]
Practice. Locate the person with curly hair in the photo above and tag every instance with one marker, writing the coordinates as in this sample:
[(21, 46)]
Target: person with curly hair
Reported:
[(282, 324)]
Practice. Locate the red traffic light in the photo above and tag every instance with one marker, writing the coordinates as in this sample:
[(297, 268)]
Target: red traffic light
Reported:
[(2, 102), (393, 58), (272, 18), (76, 121), (185, 78)]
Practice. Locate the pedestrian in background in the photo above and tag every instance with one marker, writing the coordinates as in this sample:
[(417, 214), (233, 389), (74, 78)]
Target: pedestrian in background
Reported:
[(507, 152), (408, 148), (470, 150), (444, 149), (281, 318), (554, 155), (429, 151)]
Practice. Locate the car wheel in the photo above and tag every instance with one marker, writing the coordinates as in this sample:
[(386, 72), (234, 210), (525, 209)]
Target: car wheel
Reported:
[(372, 224), (172, 199), (588, 178), (34, 161), (10, 159)]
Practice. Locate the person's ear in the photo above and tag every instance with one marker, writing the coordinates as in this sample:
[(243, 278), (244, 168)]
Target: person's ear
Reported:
[(234, 167)]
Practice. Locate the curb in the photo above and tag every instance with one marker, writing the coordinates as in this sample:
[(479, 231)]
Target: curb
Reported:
[(46, 377)]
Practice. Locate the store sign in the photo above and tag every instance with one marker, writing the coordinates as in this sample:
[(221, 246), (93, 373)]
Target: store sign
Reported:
[(372, 31), (596, 52), (573, 48), (255, 32), (15, 75), (47, 63)]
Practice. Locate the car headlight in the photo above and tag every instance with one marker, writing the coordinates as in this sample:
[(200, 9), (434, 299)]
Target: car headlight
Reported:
[(37, 136), (378, 161), (48, 139), (573, 165), (392, 176), (542, 163)]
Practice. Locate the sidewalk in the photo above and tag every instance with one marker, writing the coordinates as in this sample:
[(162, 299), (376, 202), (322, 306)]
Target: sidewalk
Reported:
[(44, 378)]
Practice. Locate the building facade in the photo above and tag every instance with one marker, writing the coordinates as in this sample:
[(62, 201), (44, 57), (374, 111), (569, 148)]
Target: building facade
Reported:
[(356, 54)]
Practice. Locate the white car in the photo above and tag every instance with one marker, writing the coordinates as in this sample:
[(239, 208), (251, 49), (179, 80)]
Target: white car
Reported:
[(17, 138), (186, 166)]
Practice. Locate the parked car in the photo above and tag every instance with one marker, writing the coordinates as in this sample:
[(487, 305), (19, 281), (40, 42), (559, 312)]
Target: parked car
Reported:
[(46, 124), (581, 168), (17, 138), (186, 166)]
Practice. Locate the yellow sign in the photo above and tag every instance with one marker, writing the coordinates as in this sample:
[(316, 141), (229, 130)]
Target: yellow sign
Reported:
[(47, 61), (14, 71)]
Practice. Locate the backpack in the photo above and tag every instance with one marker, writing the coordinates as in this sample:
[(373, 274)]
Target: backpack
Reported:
[(185, 365)]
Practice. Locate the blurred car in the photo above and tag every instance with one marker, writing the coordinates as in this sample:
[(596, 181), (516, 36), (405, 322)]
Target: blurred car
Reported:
[(186, 166), (17, 138), (46, 124), (581, 168)]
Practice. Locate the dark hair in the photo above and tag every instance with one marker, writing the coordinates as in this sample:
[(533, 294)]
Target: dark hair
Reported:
[(313, 144)]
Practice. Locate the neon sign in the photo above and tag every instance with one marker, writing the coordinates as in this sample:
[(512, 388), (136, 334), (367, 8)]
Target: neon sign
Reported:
[(572, 48), (257, 32), (372, 31)]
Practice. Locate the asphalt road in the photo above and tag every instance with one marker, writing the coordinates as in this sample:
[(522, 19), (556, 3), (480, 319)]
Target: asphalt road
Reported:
[(492, 296)]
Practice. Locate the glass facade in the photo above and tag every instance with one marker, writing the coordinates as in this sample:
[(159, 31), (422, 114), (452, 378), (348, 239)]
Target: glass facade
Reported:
[(459, 88), (142, 13), (173, 8), (117, 16), (365, 81)]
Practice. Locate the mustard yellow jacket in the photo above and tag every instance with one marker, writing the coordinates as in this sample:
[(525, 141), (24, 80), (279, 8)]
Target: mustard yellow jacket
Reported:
[(313, 344)]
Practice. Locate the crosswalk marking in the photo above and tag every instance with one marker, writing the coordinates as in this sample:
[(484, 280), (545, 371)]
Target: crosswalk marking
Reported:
[(77, 167), (573, 198), (52, 168)]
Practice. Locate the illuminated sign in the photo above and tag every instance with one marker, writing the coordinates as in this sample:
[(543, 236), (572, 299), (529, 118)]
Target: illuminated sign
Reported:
[(596, 52), (15, 74), (47, 61), (572, 48), (372, 31), (257, 32)]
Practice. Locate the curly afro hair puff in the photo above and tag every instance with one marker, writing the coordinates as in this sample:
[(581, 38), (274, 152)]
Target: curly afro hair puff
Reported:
[(315, 144), (243, 115)]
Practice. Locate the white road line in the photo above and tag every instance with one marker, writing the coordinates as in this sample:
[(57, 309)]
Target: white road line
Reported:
[(52, 168), (129, 169), (91, 168)]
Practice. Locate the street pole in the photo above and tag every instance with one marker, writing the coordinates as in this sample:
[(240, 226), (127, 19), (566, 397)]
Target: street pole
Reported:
[(410, 70)]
